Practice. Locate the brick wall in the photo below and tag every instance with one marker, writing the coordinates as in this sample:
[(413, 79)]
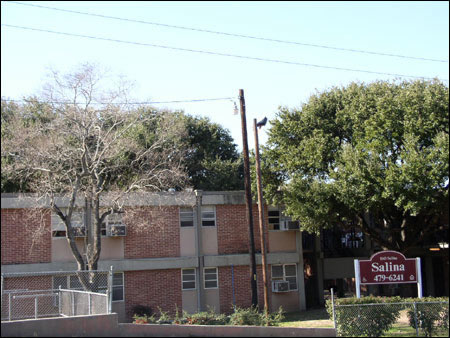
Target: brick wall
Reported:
[(152, 232), (242, 287), (26, 236), (232, 229), (153, 288)]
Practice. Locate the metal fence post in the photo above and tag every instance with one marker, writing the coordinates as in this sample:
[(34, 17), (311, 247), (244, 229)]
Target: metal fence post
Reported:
[(35, 307), (89, 303), (73, 303), (110, 283), (416, 322), (332, 302), (59, 301), (9, 306)]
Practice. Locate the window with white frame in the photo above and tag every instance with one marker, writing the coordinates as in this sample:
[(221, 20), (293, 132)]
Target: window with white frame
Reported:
[(210, 278), (186, 217), (208, 216), (286, 272), (188, 279)]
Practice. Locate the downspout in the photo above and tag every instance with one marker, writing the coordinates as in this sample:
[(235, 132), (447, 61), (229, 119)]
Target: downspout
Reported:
[(198, 248)]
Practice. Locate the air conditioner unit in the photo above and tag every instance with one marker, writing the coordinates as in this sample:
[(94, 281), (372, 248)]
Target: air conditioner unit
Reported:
[(280, 286), (79, 231), (293, 225), (289, 225), (116, 230)]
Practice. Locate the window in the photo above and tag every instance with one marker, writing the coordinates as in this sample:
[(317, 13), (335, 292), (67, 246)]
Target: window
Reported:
[(210, 278), (188, 279), (286, 272), (58, 226), (209, 216), (59, 233), (117, 288), (274, 218), (186, 217)]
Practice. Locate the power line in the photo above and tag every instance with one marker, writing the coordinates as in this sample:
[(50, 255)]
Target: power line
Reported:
[(230, 34), (217, 53), (123, 103)]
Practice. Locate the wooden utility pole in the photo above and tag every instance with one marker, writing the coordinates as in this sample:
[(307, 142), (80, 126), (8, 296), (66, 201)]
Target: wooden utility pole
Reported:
[(248, 201), (261, 220)]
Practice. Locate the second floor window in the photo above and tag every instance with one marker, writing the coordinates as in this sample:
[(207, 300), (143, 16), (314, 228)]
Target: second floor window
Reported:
[(186, 217), (208, 216)]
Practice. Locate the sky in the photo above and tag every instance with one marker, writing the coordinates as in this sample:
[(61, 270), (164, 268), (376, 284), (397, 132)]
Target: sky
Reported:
[(199, 65)]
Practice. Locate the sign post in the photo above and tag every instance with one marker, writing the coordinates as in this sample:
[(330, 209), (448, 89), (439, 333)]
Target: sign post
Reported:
[(388, 267)]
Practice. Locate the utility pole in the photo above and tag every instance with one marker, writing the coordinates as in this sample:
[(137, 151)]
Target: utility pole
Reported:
[(248, 200), (261, 220)]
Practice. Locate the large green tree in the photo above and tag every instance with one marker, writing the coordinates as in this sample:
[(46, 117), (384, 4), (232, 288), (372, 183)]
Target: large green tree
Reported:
[(212, 161), (376, 154)]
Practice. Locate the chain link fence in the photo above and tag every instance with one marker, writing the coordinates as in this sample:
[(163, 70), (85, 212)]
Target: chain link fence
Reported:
[(412, 318), (55, 294)]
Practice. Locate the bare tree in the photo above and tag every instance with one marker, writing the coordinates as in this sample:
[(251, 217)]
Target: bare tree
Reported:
[(89, 145)]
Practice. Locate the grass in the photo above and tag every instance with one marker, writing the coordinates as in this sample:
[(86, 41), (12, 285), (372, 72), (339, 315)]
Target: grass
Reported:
[(309, 318)]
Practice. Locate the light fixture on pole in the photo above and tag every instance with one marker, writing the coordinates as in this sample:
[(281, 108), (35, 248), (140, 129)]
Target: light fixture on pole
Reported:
[(261, 213)]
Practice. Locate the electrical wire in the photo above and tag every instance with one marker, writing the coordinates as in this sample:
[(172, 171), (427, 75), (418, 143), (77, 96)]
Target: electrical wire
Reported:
[(230, 34), (123, 103), (217, 53)]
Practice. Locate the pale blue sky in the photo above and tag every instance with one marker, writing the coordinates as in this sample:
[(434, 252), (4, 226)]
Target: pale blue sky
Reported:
[(418, 29)]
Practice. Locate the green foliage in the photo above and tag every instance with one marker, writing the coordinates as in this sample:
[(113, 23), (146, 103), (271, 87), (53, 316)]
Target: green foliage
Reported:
[(252, 317), (380, 148), (144, 319), (212, 162), (367, 319), (373, 316), (206, 318), (430, 314)]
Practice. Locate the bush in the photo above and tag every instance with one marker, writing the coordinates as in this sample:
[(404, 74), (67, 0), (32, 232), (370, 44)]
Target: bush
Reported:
[(251, 316), (206, 318), (144, 319), (365, 320), (432, 313), (142, 310)]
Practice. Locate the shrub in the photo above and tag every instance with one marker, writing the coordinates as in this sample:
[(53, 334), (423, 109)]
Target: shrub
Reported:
[(164, 317), (432, 313), (362, 319), (251, 316), (144, 319), (207, 318), (142, 310)]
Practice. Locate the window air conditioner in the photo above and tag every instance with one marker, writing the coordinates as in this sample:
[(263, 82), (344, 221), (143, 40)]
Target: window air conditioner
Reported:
[(289, 225), (280, 286), (116, 230)]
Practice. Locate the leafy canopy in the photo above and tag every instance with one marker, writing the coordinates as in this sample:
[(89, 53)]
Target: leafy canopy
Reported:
[(378, 150)]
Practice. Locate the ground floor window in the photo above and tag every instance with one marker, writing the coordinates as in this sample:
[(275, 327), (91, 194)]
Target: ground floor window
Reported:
[(188, 279), (286, 272), (210, 278)]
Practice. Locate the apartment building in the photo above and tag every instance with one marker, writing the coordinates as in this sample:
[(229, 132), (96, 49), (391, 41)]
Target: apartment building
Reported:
[(186, 249), (189, 250)]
